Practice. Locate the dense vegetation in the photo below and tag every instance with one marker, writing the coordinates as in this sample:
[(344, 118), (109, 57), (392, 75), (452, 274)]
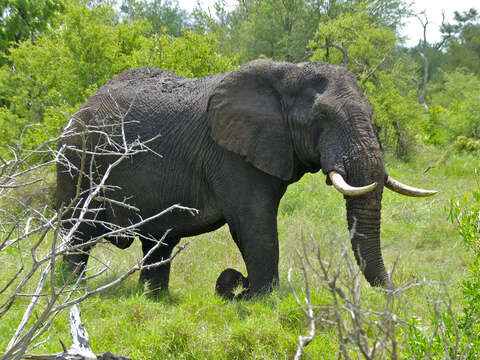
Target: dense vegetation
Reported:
[(426, 99)]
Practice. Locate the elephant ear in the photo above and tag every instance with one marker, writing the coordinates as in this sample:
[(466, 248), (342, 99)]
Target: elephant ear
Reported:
[(246, 117)]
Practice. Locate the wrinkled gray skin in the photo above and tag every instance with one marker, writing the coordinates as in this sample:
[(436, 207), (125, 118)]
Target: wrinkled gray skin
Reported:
[(231, 144)]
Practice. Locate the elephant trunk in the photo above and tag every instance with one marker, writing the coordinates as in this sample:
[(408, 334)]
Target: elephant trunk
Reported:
[(364, 226), (363, 215)]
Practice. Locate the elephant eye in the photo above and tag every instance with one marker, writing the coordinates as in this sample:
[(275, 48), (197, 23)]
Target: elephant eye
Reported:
[(321, 118)]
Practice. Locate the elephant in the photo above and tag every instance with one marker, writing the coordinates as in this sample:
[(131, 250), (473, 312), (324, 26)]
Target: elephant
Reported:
[(229, 146)]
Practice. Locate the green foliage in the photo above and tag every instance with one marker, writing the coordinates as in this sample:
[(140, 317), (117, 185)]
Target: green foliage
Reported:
[(23, 19), (397, 115), (275, 29), (435, 129), (436, 62), (457, 112), (163, 15), (55, 74), (452, 82), (366, 43), (467, 144), (466, 214), (191, 55), (461, 95), (70, 62), (445, 343), (10, 127), (282, 29), (462, 41)]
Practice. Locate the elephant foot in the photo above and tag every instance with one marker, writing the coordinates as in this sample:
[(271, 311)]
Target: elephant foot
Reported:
[(229, 282)]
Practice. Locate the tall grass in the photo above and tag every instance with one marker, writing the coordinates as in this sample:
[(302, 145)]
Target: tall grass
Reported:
[(191, 322)]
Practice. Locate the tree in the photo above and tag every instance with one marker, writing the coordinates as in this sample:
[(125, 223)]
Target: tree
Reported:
[(276, 29), (361, 42), (55, 73), (462, 41), (281, 29), (24, 19), (164, 15), (51, 77)]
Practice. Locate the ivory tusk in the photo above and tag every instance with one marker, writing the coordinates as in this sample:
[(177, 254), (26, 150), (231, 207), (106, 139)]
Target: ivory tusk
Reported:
[(341, 185), (406, 190)]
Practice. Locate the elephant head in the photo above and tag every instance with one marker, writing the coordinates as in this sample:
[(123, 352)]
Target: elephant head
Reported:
[(288, 119)]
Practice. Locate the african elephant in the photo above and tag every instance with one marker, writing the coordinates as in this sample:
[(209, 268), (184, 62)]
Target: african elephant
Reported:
[(231, 143)]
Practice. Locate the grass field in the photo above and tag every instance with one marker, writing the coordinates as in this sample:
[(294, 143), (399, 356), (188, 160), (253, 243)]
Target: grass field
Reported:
[(193, 323)]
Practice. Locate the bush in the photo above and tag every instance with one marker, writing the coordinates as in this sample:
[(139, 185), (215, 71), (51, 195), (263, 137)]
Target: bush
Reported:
[(467, 144), (457, 109), (367, 45), (397, 117), (434, 128), (466, 214)]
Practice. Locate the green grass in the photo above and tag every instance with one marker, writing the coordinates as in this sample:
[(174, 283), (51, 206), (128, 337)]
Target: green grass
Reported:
[(191, 322)]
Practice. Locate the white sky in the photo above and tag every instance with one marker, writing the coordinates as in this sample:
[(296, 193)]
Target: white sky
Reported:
[(433, 8), (412, 30)]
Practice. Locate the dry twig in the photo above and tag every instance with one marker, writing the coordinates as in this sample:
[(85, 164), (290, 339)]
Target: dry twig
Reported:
[(37, 232), (366, 330)]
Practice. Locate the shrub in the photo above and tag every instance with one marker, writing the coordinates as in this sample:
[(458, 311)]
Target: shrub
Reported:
[(457, 112), (466, 214), (467, 144), (367, 44)]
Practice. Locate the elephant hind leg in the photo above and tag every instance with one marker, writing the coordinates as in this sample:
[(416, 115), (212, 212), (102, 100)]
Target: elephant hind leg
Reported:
[(76, 257), (157, 277)]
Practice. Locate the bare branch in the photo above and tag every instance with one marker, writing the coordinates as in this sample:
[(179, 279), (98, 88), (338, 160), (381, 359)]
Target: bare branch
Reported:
[(424, 22), (42, 234), (365, 329), (339, 47), (154, 47), (303, 341)]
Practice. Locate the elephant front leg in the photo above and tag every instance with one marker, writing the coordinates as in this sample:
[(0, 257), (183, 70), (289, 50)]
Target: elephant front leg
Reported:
[(157, 277), (258, 244), (260, 254)]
